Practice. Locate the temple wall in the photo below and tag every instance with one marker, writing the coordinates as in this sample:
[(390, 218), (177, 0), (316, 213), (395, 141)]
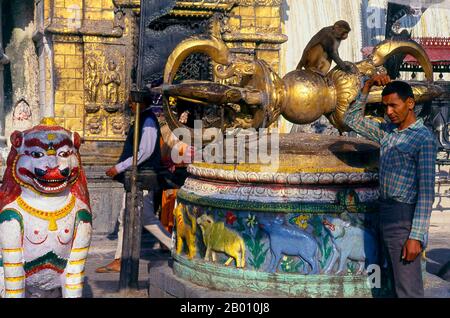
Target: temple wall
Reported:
[(21, 74), (77, 66), (93, 56), (255, 27), (71, 60), (69, 94), (427, 27)]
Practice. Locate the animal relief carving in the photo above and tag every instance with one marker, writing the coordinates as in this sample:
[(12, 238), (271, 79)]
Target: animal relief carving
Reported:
[(350, 243), (286, 239), (185, 231), (218, 238)]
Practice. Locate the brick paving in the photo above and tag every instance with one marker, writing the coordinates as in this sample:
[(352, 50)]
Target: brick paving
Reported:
[(106, 285)]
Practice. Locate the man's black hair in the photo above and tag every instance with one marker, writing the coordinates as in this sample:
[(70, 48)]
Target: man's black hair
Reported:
[(402, 89)]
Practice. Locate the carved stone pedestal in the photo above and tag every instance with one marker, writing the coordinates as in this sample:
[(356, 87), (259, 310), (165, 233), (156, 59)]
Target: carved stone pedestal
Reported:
[(305, 227), (106, 199)]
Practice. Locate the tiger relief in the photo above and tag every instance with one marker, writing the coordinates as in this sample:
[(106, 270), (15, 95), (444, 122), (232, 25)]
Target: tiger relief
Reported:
[(185, 231)]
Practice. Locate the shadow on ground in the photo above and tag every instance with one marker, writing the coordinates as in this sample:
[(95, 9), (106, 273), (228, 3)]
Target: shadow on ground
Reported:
[(87, 289), (436, 259)]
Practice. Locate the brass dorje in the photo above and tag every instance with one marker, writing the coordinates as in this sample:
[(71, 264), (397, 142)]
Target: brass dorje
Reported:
[(257, 95)]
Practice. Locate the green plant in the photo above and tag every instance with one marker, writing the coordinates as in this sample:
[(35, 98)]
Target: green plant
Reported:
[(352, 267), (289, 265), (325, 245), (240, 227), (257, 249), (326, 249), (316, 222)]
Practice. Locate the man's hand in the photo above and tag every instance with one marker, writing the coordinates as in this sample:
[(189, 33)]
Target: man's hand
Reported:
[(411, 250), (112, 172), (377, 79)]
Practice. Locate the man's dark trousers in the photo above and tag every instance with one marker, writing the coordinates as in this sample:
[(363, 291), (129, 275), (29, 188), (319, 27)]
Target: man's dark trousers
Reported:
[(395, 227)]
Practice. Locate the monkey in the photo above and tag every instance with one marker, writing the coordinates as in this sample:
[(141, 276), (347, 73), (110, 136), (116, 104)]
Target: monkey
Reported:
[(323, 47)]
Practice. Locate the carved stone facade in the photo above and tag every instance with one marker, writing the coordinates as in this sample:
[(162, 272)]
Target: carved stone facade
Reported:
[(93, 53), (254, 29), (74, 60), (20, 75), (251, 29), (79, 57)]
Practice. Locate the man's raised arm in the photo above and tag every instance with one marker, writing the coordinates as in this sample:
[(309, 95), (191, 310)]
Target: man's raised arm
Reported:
[(354, 117)]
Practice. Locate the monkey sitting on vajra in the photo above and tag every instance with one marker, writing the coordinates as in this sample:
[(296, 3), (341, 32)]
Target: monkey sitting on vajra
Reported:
[(323, 48)]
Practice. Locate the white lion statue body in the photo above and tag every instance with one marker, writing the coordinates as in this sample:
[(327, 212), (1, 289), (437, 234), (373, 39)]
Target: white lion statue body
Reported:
[(45, 217)]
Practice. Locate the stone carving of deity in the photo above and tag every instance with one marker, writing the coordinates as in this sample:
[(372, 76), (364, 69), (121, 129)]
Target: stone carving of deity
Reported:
[(119, 22), (92, 81), (22, 111), (95, 125), (112, 83)]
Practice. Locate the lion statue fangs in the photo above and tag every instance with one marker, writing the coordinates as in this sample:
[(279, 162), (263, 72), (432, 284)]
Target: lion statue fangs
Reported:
[(45, 216)]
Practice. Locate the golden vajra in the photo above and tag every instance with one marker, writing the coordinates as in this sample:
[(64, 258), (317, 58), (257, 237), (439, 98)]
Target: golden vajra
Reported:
[(251, 95)]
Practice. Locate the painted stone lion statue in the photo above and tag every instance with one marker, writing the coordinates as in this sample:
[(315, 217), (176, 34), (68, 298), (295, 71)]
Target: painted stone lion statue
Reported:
[(45, 218)]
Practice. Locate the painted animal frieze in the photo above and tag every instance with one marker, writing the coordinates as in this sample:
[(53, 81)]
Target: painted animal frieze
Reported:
[(295, 243), (185, 231), (286, 239), (218, 238), (350, 243), (45, 216)]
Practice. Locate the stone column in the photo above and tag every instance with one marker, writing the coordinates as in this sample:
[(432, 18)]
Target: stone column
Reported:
[(24, 66), (3, 60), (45, 60)]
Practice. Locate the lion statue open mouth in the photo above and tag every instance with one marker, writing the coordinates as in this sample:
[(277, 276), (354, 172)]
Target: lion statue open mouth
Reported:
[(45, 218)]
